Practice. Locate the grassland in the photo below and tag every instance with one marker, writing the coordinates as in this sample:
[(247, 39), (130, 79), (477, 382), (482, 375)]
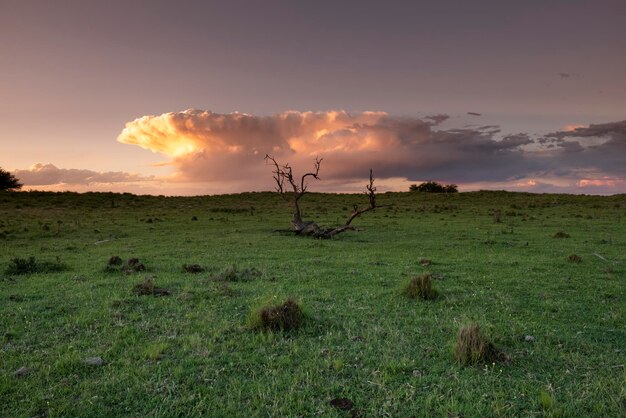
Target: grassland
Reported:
[(494, 261)]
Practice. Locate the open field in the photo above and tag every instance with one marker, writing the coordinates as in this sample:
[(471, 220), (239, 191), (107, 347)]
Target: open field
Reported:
[(495, 260)]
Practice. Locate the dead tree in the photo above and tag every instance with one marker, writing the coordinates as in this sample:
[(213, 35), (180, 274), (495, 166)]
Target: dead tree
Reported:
[(291, 190)]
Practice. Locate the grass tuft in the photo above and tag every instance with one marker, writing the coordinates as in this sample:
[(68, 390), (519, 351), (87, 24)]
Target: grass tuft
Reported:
[(285, 317), (561, 234), (421, 286), (573, 258), (133, 265), (116, 265), (232, 274), (193, 268), (147, 287), (156, 351), (425, 262), (473, 347), (115, 261)]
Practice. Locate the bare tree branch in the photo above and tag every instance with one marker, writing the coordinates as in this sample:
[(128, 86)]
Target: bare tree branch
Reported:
[(371, 196), (315, 174), (284, 173)]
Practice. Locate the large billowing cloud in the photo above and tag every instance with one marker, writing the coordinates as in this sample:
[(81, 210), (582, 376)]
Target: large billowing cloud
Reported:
[(206, 146), (49, 175)]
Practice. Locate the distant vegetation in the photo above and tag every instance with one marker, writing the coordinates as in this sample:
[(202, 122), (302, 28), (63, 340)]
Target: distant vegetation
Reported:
[(30, 265), (8, 181), (433, 187)]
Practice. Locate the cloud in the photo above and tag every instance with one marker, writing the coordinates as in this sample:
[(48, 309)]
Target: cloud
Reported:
[(229, 148), (48, 175), (599, 149)]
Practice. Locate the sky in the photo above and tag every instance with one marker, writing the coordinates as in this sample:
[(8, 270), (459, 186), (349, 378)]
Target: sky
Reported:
[(187, 97)]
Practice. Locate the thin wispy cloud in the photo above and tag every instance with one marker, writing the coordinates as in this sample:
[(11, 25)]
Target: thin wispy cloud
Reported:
[(48, 174)]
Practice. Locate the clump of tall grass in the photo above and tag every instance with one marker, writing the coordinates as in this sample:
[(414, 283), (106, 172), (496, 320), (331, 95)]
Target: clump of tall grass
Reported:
[(421, 286), (473, 347), (284, 317)]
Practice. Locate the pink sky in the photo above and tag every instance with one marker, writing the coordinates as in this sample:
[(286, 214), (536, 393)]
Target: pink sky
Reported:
[(486, 94)]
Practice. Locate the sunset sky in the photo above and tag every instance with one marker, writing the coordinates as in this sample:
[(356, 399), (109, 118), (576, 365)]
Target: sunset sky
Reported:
[(186, 97)]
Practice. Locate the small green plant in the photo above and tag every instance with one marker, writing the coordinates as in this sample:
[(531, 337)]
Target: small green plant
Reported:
[(284, 317), (473, 347), (549, 405), (545, 400), (155, 352), (421, 286), (30, 265)]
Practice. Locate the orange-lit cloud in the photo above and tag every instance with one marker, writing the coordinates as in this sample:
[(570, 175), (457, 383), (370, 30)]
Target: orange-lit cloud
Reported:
[(597, 182), (229, 148), (178, 134), (221, 147), (573, 127)]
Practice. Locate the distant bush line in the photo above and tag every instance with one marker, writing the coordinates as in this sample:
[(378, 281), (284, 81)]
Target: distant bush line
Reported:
[(434, 187)]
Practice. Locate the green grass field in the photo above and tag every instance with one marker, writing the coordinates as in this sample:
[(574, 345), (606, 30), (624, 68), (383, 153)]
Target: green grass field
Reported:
[(494, 261)]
